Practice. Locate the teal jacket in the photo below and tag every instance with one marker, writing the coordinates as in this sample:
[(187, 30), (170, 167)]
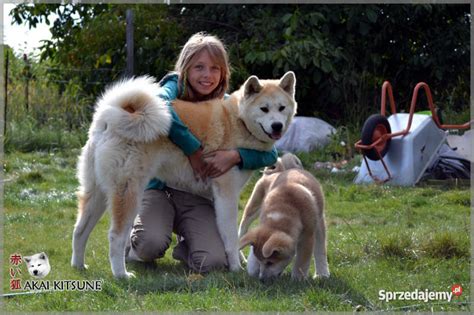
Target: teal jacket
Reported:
[(180, 135)]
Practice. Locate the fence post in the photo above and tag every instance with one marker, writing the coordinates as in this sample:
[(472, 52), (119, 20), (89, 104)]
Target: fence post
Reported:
[(27, 74), (129, 39), (6, 96)]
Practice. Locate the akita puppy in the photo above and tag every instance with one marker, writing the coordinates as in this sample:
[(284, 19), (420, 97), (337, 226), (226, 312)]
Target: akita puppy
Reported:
[(128, 145), (291, 207)]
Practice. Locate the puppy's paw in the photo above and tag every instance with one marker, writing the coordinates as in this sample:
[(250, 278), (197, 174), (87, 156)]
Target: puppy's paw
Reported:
[(298, 276)]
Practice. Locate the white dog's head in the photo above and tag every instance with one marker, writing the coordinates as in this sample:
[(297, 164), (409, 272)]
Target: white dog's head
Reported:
[(273, 249), (38, 265), (268, 106), (286, 162)]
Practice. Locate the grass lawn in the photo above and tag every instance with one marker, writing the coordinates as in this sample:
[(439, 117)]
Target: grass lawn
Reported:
[(379, 238)]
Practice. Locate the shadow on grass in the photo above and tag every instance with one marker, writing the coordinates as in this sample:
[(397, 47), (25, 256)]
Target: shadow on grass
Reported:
[(165, 277)]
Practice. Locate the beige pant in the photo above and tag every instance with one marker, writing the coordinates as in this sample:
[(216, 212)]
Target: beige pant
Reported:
[(190, 216)]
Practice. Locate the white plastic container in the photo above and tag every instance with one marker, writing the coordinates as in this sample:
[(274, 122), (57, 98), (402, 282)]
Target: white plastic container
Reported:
[(409, 155)]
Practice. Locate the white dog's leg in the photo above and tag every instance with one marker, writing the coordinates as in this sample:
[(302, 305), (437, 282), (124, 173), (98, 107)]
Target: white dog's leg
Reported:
[(124, 206), (226, 217), (320, 251), (253, 266), (91, 208), (226, 191)]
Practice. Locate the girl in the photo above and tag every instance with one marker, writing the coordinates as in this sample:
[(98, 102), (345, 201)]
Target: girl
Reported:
[(201, 73)]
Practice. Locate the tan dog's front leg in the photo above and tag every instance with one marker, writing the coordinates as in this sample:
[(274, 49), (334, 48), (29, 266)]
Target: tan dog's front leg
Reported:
[(252, 208), (304, 251)]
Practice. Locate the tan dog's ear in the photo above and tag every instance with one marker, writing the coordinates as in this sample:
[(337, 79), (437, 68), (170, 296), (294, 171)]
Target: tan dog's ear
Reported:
[(248, 239), (288, 83), (278, 242), (252, 86), (275, 168), (290, 160)]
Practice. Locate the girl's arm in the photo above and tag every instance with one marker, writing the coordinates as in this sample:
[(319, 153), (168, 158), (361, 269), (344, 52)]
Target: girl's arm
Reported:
[(221, 161), (179, 133)]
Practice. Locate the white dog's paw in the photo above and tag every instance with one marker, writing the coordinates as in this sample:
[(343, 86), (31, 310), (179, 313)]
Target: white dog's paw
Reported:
[(234, 264), (234, 261), (235, 267), (80, 266), (324, 275), (127, 276)]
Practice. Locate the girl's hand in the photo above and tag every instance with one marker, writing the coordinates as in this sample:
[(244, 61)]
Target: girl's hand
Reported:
[(200, 167), (220, 161)]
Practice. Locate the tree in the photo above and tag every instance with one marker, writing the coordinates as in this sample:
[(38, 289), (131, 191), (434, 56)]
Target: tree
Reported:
[(341, 54)]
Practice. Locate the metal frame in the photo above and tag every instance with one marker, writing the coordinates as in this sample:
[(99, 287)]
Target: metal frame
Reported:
[(387, 89)]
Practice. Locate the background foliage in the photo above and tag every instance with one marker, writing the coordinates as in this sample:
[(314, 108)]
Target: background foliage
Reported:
[(341, 54)]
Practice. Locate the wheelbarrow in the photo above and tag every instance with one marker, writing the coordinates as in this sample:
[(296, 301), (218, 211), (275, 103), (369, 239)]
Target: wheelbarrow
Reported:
[(399, 149)]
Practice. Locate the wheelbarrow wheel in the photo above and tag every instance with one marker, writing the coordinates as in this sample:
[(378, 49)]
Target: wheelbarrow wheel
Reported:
[(374, 128)]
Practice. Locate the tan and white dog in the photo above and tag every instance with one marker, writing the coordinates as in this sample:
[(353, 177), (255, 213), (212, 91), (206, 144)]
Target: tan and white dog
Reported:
[(128, 145), (291, 207)]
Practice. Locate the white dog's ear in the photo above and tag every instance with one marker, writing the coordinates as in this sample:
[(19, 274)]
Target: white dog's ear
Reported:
[(248, 239), (252, 86), (279, 242), (288, 83), (27, 258), (43, 255)]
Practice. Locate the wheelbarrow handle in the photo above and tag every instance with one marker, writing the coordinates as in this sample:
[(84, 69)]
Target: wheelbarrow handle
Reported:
[(387, 90)]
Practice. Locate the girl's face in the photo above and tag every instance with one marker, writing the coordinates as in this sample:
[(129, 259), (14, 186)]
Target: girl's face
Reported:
[(204, 75)]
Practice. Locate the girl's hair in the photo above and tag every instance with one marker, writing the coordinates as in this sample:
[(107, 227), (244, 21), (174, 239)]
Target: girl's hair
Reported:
[(197, 43)]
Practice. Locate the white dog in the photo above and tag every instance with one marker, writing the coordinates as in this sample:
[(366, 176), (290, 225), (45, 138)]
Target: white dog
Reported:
[(128, 145), (38, 265)]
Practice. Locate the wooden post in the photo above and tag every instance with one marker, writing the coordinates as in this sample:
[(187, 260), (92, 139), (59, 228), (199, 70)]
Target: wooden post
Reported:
[(129, 39), (6, 96), (27, 78)]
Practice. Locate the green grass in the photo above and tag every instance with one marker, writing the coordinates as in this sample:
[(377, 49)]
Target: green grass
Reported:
[(379, 237)]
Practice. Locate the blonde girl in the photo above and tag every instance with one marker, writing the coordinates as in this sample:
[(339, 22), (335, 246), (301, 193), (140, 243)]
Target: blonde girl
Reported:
[(201, 73)]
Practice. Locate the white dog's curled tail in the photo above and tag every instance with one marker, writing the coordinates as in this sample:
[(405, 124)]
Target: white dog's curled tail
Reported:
[(132, 109)]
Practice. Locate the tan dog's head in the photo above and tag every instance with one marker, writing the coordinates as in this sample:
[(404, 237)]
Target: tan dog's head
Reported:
[(286, 162), (273, 250)]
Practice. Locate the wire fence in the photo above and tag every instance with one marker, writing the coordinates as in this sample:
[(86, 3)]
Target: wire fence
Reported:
[(52, 97)]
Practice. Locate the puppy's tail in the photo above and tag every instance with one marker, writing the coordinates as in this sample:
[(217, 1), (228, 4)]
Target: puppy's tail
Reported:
[(132, 109)]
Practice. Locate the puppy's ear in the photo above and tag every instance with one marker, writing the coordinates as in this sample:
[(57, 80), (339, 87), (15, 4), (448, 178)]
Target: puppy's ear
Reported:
[(43, 255), (279, 242), (248, 239), (252, 86), (288, 83), (27, 258), (290, 160), (275, 168)]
